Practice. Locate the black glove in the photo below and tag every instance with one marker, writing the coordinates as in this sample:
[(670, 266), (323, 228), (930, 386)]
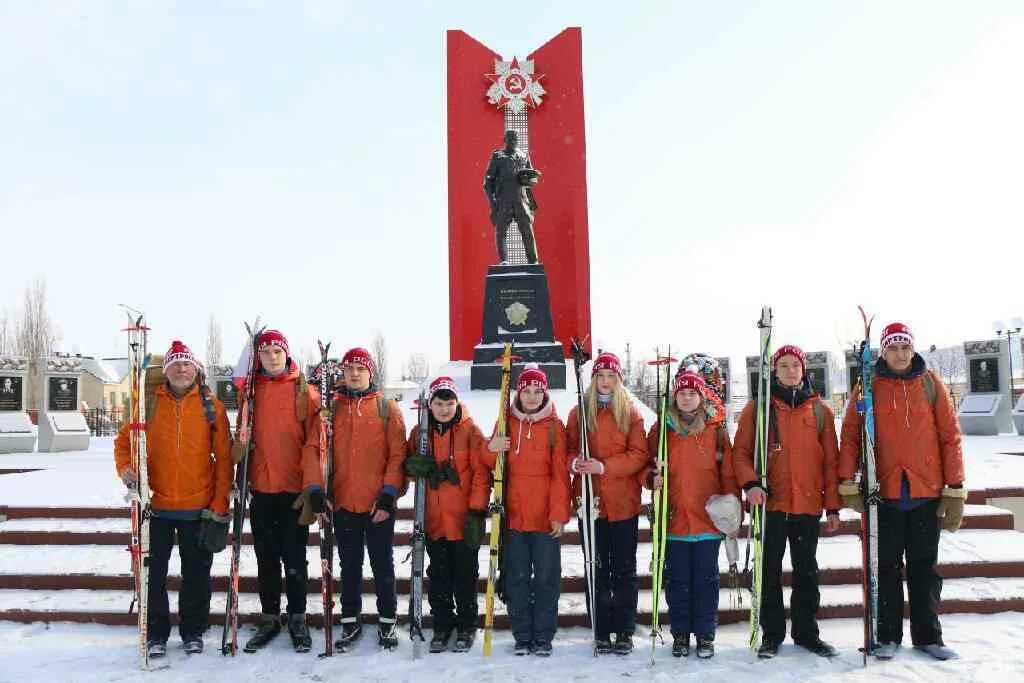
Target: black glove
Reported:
[(419, 466), (318, 501), (385, 502), (473, 531), (213, 532)]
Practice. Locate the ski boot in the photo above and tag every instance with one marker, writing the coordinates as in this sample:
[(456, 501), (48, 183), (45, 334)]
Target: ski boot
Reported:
[(817, 646), (156, 649), (192, 645), (603, 645), (439, 643), (351, 631), (542, 648), (464, 640), (523, 648), (387, 633), (270, 626), (681, 646), (937, 651), (623, 643), (769, 648), (885, 650), (299, 632), (705, 647)]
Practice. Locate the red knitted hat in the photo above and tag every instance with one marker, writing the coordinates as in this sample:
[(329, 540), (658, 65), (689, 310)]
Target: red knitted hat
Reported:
[(179, 353), (691, 380), (791, 350), (442, 383), (607, 361), (272, 337), (896, 333), (361, 356), (532, 376)]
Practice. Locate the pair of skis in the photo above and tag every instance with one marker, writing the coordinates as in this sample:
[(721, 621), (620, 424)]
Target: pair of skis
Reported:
[(870, 488), (419, 532), (759, 511), (660, 499), (139, 498), (325, 520), (497, 506), (588, 503), (240, 489)]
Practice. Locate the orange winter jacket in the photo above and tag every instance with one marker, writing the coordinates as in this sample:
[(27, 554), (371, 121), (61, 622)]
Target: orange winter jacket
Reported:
[(179, 443), (802, 476), (695, 474), (460, 446), (537, 490), (912, 436), (366, 459), (285, 455), (623, 456)]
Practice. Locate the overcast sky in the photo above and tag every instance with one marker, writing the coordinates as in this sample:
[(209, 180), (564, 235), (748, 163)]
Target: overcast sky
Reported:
[(288, 159)]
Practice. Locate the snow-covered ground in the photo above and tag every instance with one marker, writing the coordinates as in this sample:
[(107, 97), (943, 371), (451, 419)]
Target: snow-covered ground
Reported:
[(989, 648)]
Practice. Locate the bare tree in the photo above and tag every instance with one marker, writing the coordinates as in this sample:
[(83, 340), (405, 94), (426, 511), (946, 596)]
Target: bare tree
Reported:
[(214, 342), (949, 362), (380, 358), (417, 368), (6, 337), (35, 335)]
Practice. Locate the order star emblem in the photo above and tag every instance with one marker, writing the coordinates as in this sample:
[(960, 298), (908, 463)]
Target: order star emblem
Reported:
[(514, 85), (517, 313)]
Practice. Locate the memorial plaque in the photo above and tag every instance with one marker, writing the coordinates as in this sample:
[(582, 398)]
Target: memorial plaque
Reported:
[(228, 394), (63, 394), (981, 405), (11, 393), (984, 375), (817, 379)]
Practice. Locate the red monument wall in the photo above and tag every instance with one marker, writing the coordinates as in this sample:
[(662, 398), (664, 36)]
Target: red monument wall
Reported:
[(557, 148)]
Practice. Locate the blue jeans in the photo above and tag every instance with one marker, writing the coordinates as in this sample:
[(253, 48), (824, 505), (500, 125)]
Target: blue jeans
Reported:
[(691, 587), (533, 573)]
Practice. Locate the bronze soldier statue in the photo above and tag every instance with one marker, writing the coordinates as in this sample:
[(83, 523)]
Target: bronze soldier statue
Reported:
[(508, 186)]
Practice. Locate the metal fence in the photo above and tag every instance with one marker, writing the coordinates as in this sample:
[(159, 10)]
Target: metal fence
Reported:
[(104, 421)]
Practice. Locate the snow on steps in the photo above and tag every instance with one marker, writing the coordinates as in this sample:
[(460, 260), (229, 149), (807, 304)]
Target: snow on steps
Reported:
[(975, 595), (25, 530)]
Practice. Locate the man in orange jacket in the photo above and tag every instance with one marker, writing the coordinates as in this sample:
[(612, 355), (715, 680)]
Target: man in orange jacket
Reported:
[(802, 460), (284, 472), (185, 424), (920, 466), (369, 450)]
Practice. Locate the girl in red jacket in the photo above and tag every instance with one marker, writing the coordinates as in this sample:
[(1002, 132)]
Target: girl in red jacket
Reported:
[(615, 433), (537, 507), (458, 489), (699, 466)]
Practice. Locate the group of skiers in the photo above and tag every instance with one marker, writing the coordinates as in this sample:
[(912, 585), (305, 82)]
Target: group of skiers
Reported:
[(810, 471)]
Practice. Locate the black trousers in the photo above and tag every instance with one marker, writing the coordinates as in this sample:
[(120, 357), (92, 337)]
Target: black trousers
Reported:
[(453, 573), (802, 533), (356, 535), (913, 535), (616, 584), (194, 596), (279, 539)]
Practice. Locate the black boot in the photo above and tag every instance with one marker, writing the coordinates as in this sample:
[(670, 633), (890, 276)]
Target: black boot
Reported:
[(681, 646), (523, 648), (301, 640), (351, 631), (623, 643), (769, 648), (817, 646), (387, 633), (439, 643), (270, 626), (603, 645), (464, 640), (705, 647)]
